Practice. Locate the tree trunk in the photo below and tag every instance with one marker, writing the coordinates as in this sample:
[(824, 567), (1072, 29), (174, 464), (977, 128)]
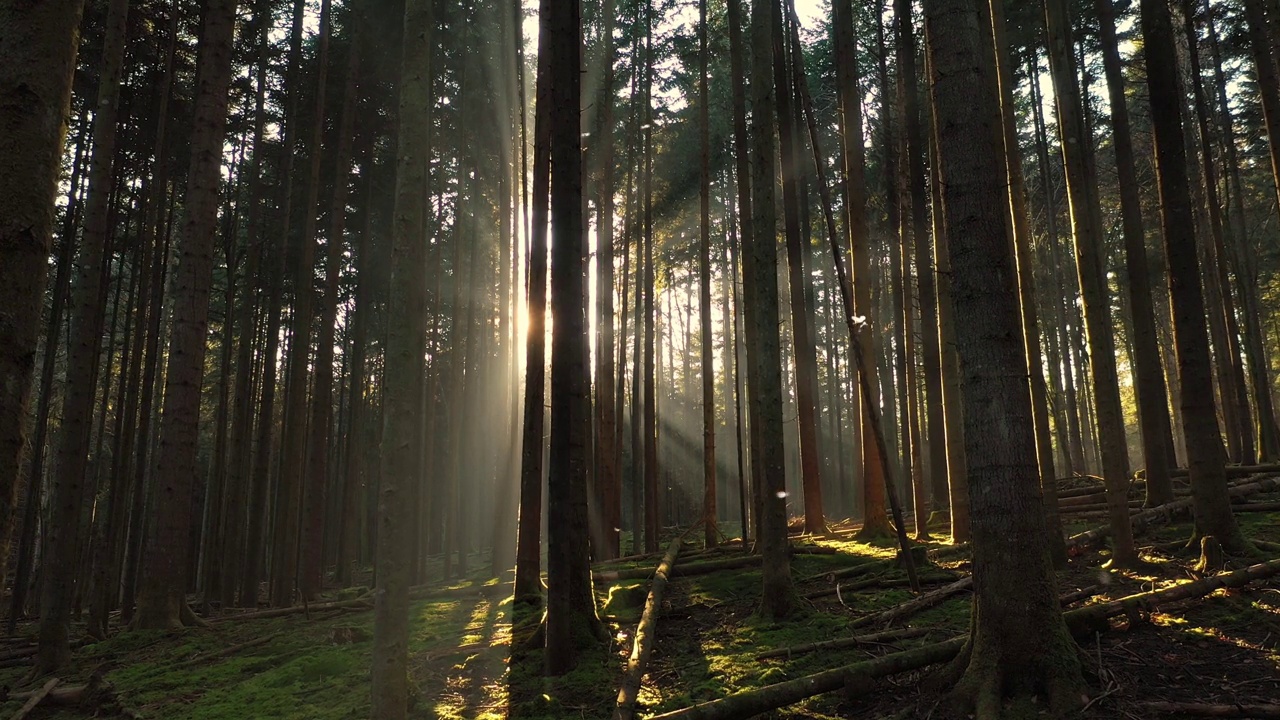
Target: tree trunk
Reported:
[(1204, 443), (1087, 231), (38, 44), (1033, 655), (296, 482), (934, 426), (1022, 242), (161, 601), (88, 309), (709, 515), (778, 594), (312, 570), (403, 373)]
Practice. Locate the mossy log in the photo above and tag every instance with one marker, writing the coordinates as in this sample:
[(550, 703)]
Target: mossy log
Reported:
[(915, 605), (1094, 617), (848, 642), (702, 568), (1215, 711), (748, 703), (1077, 544), (646, 631), (1080, 622)]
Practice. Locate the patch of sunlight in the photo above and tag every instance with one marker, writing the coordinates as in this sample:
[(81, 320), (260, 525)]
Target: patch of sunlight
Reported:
[(473, 632), (1169, 620)]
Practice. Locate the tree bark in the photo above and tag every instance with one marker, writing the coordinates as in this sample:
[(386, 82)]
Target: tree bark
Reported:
[(1019, 644), (38, 44), (403, 371)]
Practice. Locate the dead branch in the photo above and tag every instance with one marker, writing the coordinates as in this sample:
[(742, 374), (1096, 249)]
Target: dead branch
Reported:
[(915, 605), (227, 651), (624, 708)]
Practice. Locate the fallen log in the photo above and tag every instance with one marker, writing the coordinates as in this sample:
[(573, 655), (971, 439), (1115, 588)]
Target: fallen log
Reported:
[(748, 703), (1077, 500), (363, 600), (1094, 617), (227, 651), (702, 568), (1080, 622), (625, 706), (1078, 595), (1234, 470), (1217, 711), (915, 605), (36, 698), (1257, 507), (1078, 543), (848, 642), (94, 693), (857, 585), (1135, 504), (856, 569)]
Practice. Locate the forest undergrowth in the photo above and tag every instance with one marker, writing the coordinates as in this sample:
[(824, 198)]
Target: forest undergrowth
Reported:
[(1220, 649)]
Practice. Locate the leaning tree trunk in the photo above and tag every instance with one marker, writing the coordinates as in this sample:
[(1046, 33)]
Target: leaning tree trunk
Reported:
[(1033, 654), (161, 601), (875, 520), (1200, 427)]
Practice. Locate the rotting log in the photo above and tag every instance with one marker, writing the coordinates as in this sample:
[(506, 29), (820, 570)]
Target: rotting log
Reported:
[(1213, 711), (915, 605), (36, 698), (848, 642), (748, 703), (625, 707), (1081, 622)]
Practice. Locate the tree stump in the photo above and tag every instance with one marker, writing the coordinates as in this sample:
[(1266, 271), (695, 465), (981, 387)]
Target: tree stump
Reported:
[(1211, 559)]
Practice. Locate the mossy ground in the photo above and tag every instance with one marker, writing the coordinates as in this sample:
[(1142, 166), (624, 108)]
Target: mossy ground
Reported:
[(1225, 648)]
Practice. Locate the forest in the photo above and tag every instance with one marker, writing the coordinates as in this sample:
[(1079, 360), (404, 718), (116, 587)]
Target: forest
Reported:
[(639, 359)]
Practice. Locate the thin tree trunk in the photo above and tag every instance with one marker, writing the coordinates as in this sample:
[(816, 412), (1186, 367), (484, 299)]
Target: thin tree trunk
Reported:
[(1087, 231)]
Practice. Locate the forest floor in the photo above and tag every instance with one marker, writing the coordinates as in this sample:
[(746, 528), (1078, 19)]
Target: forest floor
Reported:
[(1224, 648)]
